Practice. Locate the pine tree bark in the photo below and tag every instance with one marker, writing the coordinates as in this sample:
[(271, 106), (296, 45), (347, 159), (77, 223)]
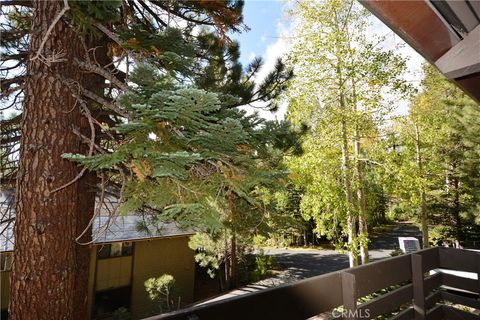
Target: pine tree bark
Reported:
[(50, 271)]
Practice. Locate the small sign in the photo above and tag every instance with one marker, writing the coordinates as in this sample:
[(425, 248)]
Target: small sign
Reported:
[(409, 244)]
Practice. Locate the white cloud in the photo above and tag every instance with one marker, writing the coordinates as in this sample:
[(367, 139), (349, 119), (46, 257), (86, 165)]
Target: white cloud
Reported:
[(251, 56), (273, 52), (280, 47), (414, 60)]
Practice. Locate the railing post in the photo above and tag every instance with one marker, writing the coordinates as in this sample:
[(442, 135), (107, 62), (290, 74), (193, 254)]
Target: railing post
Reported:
[(418, 289), (349, 290), (478, 273)]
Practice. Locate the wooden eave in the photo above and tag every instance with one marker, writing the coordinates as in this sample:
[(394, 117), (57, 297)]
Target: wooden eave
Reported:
[(456, 53)]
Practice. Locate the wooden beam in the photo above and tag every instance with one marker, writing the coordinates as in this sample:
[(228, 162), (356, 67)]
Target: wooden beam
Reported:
[(462, 59), (417, 24)]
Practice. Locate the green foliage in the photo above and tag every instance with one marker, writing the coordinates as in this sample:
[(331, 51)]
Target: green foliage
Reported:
[(396, 252), (263, 265), (162, 290), (185, 151), (174, 144), (85, 14), (447, 124), (210, 254), (343, 90)]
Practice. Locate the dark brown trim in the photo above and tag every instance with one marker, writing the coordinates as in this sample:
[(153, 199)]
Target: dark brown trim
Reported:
[(146, 239), (471, 85), (417, 24)]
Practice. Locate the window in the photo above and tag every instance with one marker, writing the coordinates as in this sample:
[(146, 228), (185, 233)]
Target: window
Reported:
[(112, 302), (116, 249), (127, 249), (104, 251), (6, 261)]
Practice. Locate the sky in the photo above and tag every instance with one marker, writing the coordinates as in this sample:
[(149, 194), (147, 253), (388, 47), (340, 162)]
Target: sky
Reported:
[(269, 34), (263, 18), (269, 38)]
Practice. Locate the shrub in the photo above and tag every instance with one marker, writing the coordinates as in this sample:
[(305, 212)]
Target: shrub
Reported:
[(162, 289)]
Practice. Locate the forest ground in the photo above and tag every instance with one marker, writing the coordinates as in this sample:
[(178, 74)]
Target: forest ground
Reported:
[(299, 263)]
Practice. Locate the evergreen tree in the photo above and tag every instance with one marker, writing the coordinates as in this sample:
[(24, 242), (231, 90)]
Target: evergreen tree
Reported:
[(112, 34)]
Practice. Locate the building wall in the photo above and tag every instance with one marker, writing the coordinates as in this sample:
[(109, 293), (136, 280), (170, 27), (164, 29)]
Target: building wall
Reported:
[(113, 273), (154, 258), (5, 288)]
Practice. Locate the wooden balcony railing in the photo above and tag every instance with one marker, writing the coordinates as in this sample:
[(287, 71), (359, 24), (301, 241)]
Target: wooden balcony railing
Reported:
[(414, 286)]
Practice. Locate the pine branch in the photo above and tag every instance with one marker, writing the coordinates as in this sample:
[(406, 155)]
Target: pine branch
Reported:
[(24, 3), (102, 72), (154, 15), (87, 140), (6, 83), (10, 35), (134, 7), (8, 140), (116, 39), (180, 15), (104, 102), (10, 122), (21, 55)]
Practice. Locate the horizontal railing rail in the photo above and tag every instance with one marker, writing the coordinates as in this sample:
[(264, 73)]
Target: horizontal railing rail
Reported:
[(413, 286)]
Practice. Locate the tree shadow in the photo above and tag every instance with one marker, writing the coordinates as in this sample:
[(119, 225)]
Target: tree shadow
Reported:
[(306, 265)]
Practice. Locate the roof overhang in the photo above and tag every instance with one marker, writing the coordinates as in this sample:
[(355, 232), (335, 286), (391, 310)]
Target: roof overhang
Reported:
[(444, 32)]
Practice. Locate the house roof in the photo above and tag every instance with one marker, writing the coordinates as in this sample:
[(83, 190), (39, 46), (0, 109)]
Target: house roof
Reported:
[(444, 32), (131, 227)]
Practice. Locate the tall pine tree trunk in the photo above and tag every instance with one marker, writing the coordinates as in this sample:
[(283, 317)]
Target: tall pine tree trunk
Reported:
[(50, 271), (421, 191)]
